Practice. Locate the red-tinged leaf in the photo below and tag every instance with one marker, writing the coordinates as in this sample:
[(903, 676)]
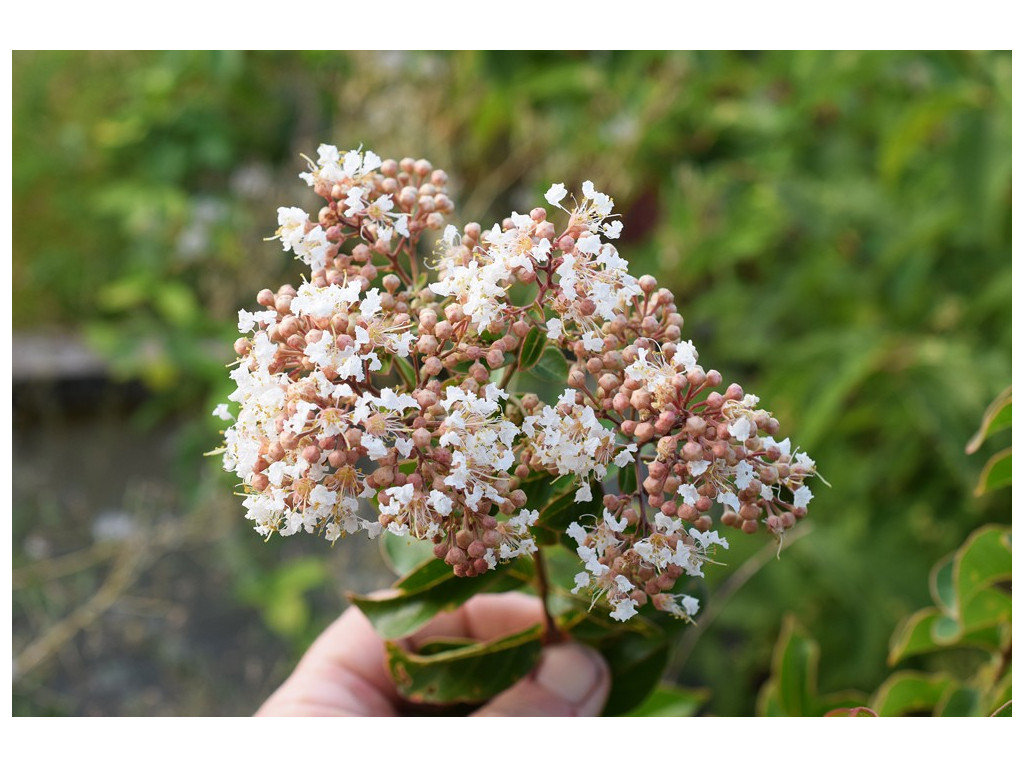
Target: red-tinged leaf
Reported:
[(852, 712)]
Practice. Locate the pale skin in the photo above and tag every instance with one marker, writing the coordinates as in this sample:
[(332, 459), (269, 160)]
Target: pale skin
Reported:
[(344, 671)]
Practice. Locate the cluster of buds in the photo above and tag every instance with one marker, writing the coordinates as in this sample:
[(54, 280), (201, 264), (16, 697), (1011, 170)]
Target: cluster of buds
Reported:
[(375, 380)]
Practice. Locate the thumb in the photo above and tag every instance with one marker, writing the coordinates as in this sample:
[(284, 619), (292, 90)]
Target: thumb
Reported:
[(570, 681)]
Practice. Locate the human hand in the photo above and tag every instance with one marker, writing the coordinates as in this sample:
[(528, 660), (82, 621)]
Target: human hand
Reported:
[(344, 673)]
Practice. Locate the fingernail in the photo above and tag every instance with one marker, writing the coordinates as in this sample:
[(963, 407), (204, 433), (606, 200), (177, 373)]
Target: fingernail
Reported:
[(570, 672)]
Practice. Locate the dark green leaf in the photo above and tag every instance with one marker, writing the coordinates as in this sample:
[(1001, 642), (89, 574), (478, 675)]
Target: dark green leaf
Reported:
[(627, 479), (552, 366), (472, 674), (431, 589), (959, 701), (636, 652), (539, 488), (437, 645), (531, 348), (671, 701), (996, 473), (563, 509)]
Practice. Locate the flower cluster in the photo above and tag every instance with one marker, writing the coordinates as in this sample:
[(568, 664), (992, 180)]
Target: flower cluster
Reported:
[(377, 386)]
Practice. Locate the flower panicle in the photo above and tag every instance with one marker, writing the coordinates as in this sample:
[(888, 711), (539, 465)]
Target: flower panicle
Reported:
[(372, 398)]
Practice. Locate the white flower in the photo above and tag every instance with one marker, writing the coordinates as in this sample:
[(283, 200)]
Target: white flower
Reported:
[(481, 440), (624, 610), (803, 463), (441, 503), (685, 356), (729, 500), (249, 320), (555, 329), (708, 539), (612, 229), (589, 244), (689, 493), (593, 342), (582, 581), (802, 496), (744, 475), (697, 468), (742, 428), (370, 306), (222, 412), (555, 194), (769, 442), (576, 443), (625, 456)]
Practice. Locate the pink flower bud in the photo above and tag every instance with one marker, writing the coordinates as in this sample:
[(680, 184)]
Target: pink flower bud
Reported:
[(644, 431)]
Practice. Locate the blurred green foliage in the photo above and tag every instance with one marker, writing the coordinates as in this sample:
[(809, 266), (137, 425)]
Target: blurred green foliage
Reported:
[(966, 634), (836, 227)]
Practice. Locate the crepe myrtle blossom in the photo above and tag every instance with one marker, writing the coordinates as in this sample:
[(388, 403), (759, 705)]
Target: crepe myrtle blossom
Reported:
[(382, 395)]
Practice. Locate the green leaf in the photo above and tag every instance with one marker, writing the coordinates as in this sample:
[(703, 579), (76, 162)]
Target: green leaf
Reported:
[(795, 669), (552, 366), (636, 652), (997, 417), (930, 630), (996, 473), (942, 586), (437, 645), (404, 370), (910, 693), (988, 608), (959, 701), (531, 348), (627, 479), (539, 488), (982, 560), (472, 674), (946, 630), (430, 589), (563, 509), (430, 574), (769, 704), (914, 635), (671, 701), (404, 554)]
